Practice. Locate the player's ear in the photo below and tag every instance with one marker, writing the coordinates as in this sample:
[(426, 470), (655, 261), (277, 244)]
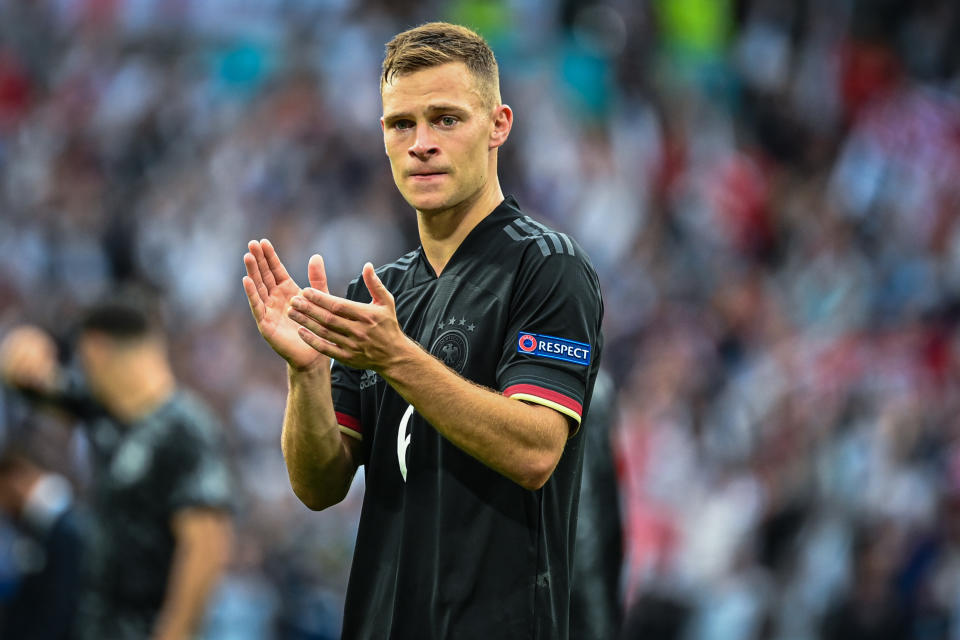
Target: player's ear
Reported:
[(383, 128), (502, 123)]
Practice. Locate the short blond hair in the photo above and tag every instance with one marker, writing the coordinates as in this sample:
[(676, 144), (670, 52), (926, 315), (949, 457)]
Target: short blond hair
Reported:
[(437, 43)]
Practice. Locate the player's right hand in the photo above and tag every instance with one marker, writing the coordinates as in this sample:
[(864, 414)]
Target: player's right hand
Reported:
[(28, 359), (269, 289)]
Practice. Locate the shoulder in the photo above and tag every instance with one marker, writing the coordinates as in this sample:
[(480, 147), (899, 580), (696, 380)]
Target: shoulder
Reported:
[(187, 416), (532, 234), (394, 269), (546, 253), (391, 274), (538, 243)]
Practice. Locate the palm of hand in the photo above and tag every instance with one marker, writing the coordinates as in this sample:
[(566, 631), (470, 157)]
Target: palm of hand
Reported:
[(280, 331), (270, 290)]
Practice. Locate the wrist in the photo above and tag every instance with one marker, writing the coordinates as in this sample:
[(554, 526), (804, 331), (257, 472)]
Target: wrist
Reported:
[(405, 358), (319, 369)]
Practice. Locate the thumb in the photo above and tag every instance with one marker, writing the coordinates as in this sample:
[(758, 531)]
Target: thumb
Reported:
[(376, 288), (317, 274)]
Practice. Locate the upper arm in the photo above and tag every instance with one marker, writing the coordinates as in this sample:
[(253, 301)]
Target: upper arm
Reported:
[(194, 456), (552, 343), (555, 427), (549, 429), (207, 528), (353, 448)]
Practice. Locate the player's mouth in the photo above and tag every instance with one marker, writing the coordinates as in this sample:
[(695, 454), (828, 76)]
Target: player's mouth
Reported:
[(426, 176)]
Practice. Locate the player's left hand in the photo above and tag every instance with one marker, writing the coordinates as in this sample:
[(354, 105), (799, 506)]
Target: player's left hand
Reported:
[(363, 336)]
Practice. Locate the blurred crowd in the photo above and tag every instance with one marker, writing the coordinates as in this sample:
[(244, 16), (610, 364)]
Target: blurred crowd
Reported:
[(769, 189)]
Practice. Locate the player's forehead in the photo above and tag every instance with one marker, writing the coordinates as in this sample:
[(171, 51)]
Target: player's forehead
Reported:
[(447, 84)]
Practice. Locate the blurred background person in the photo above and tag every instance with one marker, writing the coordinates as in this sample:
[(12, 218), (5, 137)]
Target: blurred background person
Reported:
[(47, 549), (160, 491), (596, 609)]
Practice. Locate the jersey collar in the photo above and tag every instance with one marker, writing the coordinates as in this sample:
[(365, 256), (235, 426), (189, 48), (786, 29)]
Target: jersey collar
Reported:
[(491, 223)]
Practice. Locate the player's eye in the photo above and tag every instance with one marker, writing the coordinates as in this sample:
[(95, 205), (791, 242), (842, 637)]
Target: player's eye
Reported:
[(448, 121), (403, 125)]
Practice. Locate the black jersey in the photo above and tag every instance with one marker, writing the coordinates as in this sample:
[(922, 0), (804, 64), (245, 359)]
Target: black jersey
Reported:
[(143, 473), (448, 548)]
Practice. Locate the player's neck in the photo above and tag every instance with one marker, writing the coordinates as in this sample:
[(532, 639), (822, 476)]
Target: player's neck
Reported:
[(442, 232)]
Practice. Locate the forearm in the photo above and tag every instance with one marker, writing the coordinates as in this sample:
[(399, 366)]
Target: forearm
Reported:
[(520, 441), (202, 551), (319, 463)]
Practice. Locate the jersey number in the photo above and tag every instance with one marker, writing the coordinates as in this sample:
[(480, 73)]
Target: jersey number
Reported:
[(403, 441)]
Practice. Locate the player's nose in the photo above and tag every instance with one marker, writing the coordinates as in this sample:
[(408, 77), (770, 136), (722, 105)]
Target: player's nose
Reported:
[(424, 145)]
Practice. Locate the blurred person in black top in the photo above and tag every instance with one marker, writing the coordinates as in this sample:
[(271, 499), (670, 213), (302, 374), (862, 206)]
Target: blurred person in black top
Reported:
[(461, 373), (160, 488), (49, 549), (596, 608)]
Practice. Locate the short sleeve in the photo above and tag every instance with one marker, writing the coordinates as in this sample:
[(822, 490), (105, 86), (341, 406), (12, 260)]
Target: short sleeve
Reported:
[(197, 463), (345, 384), (552, 346), (345, 389)]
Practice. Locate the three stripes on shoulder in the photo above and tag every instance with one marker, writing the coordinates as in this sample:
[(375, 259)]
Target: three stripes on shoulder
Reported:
[(526, 228)]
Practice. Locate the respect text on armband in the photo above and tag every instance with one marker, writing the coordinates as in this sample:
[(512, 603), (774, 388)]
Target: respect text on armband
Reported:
[(535, 344)]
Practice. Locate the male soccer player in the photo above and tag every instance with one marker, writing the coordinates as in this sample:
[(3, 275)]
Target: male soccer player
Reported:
[(461, 373), (160, 489)]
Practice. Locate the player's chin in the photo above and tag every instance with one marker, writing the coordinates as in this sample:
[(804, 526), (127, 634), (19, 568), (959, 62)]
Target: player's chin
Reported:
[(427, 201)]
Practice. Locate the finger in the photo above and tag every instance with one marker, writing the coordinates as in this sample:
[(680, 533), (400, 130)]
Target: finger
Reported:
[(316, 274), (253, 272), (254, 299), (324, 324), (256, 249), (322, 346), (323, 316), (276, 267), (375, 286), (341, 307)]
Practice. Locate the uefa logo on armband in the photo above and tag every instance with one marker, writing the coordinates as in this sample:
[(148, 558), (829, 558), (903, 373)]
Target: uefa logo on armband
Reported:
[(527, 343)]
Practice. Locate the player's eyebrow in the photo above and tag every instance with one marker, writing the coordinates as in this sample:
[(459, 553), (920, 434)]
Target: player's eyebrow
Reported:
[(433, 108)]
